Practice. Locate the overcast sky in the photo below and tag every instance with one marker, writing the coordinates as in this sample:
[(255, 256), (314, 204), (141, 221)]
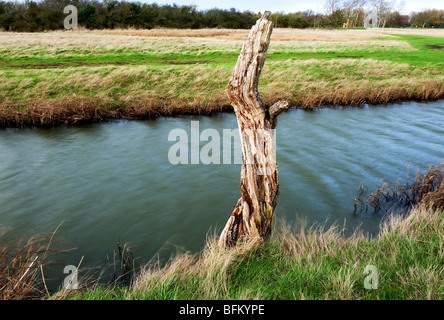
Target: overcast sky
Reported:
[(288, 5)]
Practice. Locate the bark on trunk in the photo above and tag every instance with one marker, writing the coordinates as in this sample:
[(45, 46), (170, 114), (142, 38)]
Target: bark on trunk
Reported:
[(252, 215)]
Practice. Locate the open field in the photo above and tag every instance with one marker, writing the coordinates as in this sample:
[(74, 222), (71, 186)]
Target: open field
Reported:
[(72, 77)]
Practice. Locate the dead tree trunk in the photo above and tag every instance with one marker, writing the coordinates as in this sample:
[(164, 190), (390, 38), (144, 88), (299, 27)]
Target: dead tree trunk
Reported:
[(252, 215)]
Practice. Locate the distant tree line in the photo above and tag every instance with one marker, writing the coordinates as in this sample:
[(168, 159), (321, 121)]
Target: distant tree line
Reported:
[(30, 16), (428, 18)]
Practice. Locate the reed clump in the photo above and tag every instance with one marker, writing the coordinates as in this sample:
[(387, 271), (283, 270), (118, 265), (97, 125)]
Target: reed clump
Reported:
[(435, 199), (425, 188), (21, 267)]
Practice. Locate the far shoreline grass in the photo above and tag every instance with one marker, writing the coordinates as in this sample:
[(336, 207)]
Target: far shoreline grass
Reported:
[(58, 78)]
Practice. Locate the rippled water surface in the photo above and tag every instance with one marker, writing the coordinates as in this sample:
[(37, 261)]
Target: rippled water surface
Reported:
[(113, 182)]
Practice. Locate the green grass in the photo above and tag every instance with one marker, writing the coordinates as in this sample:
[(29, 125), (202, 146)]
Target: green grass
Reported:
[(171, 75), (425, 56), (302, 264), (113, 59), (41, 57)]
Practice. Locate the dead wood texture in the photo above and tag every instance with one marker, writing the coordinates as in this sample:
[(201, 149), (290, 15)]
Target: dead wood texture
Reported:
[(252, 215)]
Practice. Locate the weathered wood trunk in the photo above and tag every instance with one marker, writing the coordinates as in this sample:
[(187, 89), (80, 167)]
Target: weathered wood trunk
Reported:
[(252, 215)]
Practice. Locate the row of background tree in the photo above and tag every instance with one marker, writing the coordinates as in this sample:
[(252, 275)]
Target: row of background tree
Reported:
[(44, 15)]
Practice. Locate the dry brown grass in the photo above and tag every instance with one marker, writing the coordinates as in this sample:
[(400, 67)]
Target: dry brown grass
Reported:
[(21, 266), (80, 110), (435, 199), (435, 32), (53, 113), (279, 34), (371, 81), (232, 34), (302, 241)]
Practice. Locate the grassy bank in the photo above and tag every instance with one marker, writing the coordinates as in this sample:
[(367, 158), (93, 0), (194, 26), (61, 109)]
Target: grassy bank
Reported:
[(298, 262), (73, 77), (302, 263)]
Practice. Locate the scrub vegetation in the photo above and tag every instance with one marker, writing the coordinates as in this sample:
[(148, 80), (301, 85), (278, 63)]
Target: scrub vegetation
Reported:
[(73, 77)]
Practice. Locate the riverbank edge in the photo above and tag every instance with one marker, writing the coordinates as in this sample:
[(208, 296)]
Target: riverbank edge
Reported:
[(81, 110), (302, 263)]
